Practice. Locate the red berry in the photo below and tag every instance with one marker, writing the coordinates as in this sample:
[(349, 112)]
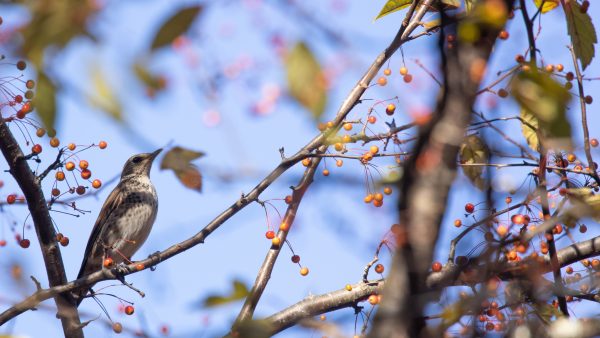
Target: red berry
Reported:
[(594, 142), (469, 207), (270, 234), (295, 259), (2, 242), (503, 35), (24, 243), (83, 164), (36, 149), (379, 268), (86, 174), (18, 98), (64, 241), (390, 109), (102, 144), (21, 65), (10, 199), (436, 267), (129, 310), (108, 262), (80, 190)]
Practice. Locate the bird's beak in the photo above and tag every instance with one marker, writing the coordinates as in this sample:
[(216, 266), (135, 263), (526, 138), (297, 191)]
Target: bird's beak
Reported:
[(155, 153)]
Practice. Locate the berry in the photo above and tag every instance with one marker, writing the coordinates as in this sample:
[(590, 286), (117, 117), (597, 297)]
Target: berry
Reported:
[(390, 109), (377, 204), (83, 164), (570, 76), (387, 72), (348, 126), (40, 132), (469, 207), (436, 267), (373, 299), (117, 327), (583, 228), (304, 271), (403, 71), (59, 236), (276, 241), (10, 199), (284, 226), (306, 162), (368, 198), (55, 192), (288, 199), (18, 98), (549, 68), (139, 267), (374, 150), (382, 81), (54, 142), (501, 230), (379, 268), (520, 58), (102, 144), (371, 119), (387, 190), (325, 172), (64, 241), (2, 242), (594, 142), (96, 184), (60, 176), (69, 166), (346, 139), (407, 78), (503, 35), (36, 149), (86, 174), (24, 243), (502, 93), (30, 84), (129, 310), (339, 163), (560, 67), (21, 65), (457, 223), (338, 147), (588, 99), (108, 262), (71, 146), (295, 259), (348, 287), (80, 190), (29, 95), (378, 197), (270, 234)]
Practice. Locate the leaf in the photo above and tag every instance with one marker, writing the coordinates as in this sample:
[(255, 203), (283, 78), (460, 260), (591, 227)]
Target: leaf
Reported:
[(582, 32), (548, 5), (392, 6), (530, 133), (175, 26), (151, 81), (546, 100), (44, 100), (474, 151), (306, 82), (104, 97), (240, 291), (179, 160)]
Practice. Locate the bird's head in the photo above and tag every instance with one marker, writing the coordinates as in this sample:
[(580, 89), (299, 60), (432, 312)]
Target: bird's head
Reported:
[(139, 164)]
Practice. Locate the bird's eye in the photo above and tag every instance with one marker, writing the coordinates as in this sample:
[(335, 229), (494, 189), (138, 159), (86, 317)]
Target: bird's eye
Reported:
[(136, 159)]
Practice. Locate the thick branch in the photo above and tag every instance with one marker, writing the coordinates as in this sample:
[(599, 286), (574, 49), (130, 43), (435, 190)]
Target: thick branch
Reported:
[(36, 202)]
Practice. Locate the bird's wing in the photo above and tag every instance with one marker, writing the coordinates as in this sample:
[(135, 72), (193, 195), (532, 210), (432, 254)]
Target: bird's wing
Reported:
[(112, 202)]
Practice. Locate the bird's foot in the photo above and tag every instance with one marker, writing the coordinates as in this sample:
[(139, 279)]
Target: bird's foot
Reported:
[(121, 270), (153, 256)]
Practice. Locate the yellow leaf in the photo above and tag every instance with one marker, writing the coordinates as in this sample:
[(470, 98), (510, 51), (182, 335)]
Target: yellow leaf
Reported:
[(306, 82), (548, 5), (103, 96), (474, 151)]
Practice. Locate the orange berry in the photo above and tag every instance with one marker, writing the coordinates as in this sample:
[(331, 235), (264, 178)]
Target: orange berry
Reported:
[(387, 190), (11, 199), (373, 299), (83, 164), (102, 144), (338, 147), (371, 119), (96, 183), (348, 287), (64, 241), (339, 163), (325, 172), (69, 166), (390, 109), (59, 236), (594, 142), (403, 71), (382, 81), (86, 174), (407, 78), (368, 198), (571, 157), (2, 242), (276, 241), (54, 142), (346, 139), (436, 267), (129, 310), (71, 146), (379, 268), (30, 84), (374, 150), (560, 67), (502, 92), (108, 262), (387, 72), (60, 176), (117, 327), (40, 132), (304, 271), (503, 35), (306, 162), (288, 199), (377, 204), (457, 223), (270, 234), (348, 126), (36, 149), (378, 197), (549, 68), (284, 226)]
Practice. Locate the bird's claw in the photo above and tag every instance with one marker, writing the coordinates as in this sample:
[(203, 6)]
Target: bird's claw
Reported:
[(121, 269), (158, 259)]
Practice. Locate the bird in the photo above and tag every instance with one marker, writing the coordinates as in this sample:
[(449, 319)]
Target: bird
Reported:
[(125, 219)]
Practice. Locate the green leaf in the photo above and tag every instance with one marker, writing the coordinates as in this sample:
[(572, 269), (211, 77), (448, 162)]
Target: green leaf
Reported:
[(547, 100), (175, 26), (239, 291), (44, 101), (392, 6), (474, 151), (179, 160), (582, 32), (548, 5), (104, 97), (306, 82), (528, 121)]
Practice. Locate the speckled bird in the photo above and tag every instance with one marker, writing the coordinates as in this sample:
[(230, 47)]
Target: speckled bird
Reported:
[(125, 219)]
